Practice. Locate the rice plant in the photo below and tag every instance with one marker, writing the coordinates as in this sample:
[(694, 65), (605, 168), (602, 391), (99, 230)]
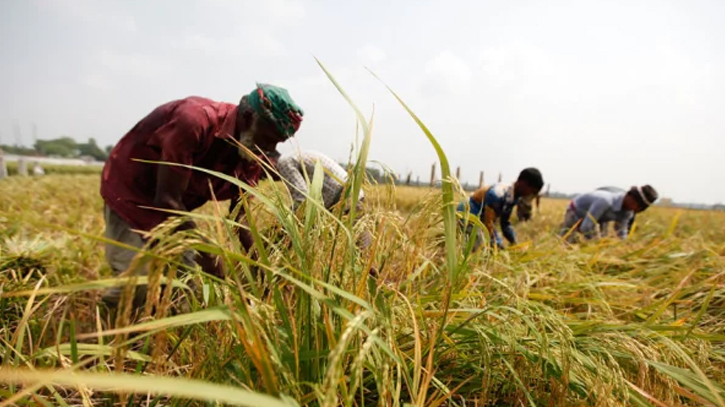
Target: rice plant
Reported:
[(300, 321)]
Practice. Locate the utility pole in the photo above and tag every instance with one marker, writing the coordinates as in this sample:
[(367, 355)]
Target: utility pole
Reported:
[(35, 134), (18, 134), (432, 174)]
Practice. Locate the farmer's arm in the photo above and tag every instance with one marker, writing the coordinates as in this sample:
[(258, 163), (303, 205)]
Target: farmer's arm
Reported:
[(270, 175), (506, 228), (492, 210), (604, 228), (623, 227), (274, 176), (591, 219), (178, 140), (243, 233), (170, 186), (489, 217)]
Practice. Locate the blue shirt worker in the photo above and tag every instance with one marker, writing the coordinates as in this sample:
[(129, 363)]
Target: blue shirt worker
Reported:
[(498, 202), (587, 211)]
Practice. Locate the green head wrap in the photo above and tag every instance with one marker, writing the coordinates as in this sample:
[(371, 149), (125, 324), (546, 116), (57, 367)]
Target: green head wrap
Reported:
[(275, 105)]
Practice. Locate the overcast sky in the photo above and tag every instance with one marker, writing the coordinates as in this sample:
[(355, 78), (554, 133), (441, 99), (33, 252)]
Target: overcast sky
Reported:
[(593, 93)]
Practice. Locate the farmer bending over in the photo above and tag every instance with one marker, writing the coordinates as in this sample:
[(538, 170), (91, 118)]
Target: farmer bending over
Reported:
[(604, 226), (587, 211), (193, 131), (497, 202), (298, 167)]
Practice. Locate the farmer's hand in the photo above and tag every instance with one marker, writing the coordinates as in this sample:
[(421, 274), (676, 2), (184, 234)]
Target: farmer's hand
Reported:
[(210, 264)]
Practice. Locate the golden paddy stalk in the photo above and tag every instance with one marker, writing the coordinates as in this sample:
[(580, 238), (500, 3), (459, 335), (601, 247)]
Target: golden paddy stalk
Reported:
[(608, 323)]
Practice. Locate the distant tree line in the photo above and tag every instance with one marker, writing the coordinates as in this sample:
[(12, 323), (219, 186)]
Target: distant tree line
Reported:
[(63, 147)]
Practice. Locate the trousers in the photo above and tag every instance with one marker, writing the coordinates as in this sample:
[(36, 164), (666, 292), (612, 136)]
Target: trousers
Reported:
[(121, 259)]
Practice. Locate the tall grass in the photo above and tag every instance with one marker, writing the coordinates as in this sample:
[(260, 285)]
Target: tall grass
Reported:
[(299, 321)]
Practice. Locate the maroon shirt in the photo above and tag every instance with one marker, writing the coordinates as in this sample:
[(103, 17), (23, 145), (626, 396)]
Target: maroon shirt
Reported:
[(193, 131)]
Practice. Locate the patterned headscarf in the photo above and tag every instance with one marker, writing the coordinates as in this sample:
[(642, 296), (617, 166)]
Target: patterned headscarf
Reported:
[(275, 105)]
